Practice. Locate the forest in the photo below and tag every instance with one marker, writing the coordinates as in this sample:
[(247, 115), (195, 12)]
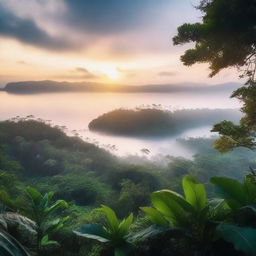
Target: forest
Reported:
[(37, 157)]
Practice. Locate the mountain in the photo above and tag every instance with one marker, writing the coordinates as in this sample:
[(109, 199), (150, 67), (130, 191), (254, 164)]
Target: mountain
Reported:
[(27, 87)]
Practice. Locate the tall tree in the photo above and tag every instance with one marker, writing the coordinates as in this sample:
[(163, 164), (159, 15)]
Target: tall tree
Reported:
[(226, 37)]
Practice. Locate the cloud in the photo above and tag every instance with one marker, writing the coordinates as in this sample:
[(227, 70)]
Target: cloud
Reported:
[(85, 73), (79, 73), (112, 16), (27, 31), (167, 73)]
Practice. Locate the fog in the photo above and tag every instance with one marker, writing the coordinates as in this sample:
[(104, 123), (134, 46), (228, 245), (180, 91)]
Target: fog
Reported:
[(76, 110)]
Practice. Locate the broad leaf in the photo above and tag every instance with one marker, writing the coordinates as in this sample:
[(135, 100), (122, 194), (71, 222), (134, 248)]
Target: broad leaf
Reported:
[(113, 222), (155, 216), (93, 231), (195, 193), (243, 238), (231, 190), (9, 246), (169, 205)]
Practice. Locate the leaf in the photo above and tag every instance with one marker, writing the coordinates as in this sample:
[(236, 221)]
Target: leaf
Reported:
[(9, 246), (242, 238), (35, 195), (46, 242), (250, 189), (195, 194), (171, 206), (231, 190), (54, 225), (155, 216), (149, 232), (93, 231), (55, 206), (113, 222), (124, 226)]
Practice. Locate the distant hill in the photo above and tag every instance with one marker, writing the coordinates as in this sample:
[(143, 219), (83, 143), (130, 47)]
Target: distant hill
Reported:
[(47, 86)]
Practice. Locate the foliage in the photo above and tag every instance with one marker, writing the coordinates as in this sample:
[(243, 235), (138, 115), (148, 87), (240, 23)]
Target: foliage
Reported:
[(114, 232), (42, 209), (9, 246), (221, 34), (242, 135), (243, 238), (236, 194), (172, 209)]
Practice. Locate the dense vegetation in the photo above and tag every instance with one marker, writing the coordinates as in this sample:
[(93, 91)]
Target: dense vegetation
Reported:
[(224, 40), (43, 157), (157, 122)]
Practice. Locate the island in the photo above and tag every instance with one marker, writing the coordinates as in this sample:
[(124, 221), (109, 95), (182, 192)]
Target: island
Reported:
[(147, 122)]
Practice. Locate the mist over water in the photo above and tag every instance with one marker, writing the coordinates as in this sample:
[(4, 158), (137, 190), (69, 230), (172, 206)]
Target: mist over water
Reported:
[(76, 110)]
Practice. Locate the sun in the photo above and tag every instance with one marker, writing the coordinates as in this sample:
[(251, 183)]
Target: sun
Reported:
[(111, 72)]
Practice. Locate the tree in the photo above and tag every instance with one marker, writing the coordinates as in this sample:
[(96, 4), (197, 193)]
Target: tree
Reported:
[(225, 38)]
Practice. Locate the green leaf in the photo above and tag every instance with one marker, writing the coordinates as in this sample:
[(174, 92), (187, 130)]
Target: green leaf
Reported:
[(155, 216), (54, 225), (93, 231), (250, 189), (124, 225), (231, 190), (171, 205), (113, 222), (195, 193), (55, 206), (46, 242), (149, 232), (35, 195), (9, 246), (243, 238)]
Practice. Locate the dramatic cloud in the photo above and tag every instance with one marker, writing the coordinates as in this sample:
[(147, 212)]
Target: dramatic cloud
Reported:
[(27, 31)]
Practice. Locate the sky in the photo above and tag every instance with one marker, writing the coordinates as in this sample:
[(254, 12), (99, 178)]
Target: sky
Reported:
[(112, 41)]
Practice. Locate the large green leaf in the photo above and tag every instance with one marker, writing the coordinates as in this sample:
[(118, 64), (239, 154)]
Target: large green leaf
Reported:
[(243, 238), (113, 222), (9, 246), (231, 190), (169, 204), (195, 193), (93, 231), (155, 216)]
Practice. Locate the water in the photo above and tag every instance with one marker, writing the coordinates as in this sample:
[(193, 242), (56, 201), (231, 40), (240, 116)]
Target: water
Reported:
[(76, 110)]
